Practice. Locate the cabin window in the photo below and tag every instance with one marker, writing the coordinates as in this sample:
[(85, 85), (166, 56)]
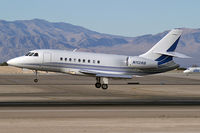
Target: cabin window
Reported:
[(65, 59), (36, 54), (74, 59), (93, 61), (98, 62), (27, 54), (79, 60), (83, 60), (88, 61), (61, 58), (70, 59)]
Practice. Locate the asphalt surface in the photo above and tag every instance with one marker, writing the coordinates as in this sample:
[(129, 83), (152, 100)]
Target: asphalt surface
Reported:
[(63, 79), (62, 103), (61, 90), (98, 119)]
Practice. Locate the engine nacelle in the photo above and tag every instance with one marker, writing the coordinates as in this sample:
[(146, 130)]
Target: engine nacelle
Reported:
[(139, 62)]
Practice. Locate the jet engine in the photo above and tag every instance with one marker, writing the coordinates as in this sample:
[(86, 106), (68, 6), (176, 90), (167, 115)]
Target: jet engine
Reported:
[(139, 62)]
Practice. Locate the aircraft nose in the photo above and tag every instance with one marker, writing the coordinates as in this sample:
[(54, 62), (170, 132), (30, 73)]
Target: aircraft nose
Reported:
[(12, 62), (186, 71)]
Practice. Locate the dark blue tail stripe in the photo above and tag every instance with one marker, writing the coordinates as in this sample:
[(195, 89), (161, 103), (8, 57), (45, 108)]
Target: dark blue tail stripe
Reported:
[(173, 47), (161, 58), (169, 58), (165, 58)]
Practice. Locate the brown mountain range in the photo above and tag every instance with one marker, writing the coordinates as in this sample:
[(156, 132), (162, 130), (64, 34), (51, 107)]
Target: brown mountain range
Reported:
[(18, 37)]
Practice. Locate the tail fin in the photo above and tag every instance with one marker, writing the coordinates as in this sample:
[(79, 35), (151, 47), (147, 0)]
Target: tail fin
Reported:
[(163, 51)]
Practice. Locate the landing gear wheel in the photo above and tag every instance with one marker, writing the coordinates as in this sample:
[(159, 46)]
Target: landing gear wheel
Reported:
[(35, 80), (104, 86), (98, 85), (36, 76)]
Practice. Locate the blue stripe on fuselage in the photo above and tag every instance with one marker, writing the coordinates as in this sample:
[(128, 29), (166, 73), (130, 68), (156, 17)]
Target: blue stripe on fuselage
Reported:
[(89, 67), (124, 70)]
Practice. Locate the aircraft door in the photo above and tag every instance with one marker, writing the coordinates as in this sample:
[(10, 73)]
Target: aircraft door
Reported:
[(47, 57)]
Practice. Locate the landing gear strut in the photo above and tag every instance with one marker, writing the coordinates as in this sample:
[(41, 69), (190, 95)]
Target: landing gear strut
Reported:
[(105, 83), (36, 76), (99, 85)]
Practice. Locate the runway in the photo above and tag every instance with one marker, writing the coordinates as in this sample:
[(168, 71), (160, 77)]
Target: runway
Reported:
[(62, 90), (97, 119), (64, 79), (100, 112), (62, 103)]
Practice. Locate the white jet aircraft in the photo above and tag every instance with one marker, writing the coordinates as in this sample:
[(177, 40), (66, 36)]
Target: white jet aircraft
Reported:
[(104, 66), (192, 70)]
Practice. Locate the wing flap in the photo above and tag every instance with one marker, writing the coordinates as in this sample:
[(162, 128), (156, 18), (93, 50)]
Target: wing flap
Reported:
[(99, 74), (115, 76), (89, 72)]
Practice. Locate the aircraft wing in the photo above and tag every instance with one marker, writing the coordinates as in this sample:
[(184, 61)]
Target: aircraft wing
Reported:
[(114, 76), (89, 72), (98, 74)]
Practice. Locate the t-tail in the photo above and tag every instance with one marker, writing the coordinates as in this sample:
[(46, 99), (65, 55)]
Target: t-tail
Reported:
[(164, 51)]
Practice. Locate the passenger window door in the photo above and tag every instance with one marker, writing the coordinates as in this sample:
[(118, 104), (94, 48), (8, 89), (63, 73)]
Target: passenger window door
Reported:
[(46, 57)]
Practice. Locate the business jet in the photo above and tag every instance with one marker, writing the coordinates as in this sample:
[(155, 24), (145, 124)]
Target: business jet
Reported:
[(192, 70), (104, 66)]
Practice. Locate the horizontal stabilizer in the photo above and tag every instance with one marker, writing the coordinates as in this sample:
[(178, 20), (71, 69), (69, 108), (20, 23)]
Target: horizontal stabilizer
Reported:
[(174, 54)]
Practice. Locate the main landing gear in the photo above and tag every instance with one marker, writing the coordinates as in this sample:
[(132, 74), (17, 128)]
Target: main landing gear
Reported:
[(99, 85), (36, 76)]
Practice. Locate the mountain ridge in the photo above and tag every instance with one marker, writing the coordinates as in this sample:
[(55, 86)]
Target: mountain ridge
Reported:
[(18, 37)]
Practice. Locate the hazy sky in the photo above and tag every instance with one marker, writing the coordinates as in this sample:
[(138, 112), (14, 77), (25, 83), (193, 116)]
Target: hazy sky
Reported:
[(119, 17)]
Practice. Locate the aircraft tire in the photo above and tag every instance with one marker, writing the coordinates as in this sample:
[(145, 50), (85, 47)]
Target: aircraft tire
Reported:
[(98, 85), (35, 80), (104, 86)]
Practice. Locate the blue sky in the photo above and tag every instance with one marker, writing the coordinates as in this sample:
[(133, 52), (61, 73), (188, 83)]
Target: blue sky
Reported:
[(119, 17)]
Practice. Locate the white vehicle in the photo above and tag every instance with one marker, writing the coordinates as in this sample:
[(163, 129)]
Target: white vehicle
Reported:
[(192, 70), (104, 66)]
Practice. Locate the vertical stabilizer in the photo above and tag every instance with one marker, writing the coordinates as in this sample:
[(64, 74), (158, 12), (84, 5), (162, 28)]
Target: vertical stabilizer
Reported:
[(166, 45)]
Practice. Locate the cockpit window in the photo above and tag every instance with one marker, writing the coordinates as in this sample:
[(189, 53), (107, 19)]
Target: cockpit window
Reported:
[(36, 54), (27, 54), (30, 54)]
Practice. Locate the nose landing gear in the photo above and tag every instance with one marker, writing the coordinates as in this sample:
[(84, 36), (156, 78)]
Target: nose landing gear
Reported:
[(35, 80), (36, 76)]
